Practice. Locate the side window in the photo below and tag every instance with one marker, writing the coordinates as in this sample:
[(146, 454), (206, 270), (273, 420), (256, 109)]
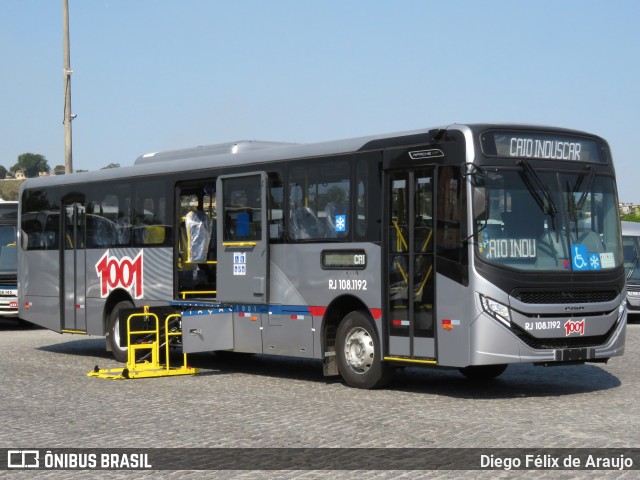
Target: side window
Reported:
[(362, 182), (150, 225), (319, 201), (449, 214), (276, 207), (40, 222), (242, 209), (109, 216)]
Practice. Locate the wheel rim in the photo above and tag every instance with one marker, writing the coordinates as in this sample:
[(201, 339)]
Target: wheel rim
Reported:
[(116, 336), (359, 350)]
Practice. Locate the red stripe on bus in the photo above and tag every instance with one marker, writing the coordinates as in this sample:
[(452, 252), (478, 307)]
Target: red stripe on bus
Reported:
[(317, 311), (320, 311)]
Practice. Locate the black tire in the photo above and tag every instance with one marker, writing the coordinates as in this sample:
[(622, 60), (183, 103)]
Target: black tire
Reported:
[(359, 354), (483, 372), (113, 331)]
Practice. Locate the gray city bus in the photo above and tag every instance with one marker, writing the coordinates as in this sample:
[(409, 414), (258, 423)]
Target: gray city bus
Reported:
[(466, 246), (8, 259), (631, 248)]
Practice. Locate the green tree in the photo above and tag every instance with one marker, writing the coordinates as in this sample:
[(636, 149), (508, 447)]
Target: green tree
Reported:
[(631, 217), (31, 164), (111, 165), (9, 189)]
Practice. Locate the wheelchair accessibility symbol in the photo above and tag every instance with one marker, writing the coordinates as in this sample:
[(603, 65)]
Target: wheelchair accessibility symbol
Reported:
[(579, 257)]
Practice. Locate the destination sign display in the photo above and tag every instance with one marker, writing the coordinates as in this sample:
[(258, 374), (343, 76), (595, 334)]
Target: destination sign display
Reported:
[(544, 146), (344, 259)]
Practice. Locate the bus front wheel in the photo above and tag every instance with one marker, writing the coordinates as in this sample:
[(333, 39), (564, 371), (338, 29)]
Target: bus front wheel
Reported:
[(113, 331), (359, 354)]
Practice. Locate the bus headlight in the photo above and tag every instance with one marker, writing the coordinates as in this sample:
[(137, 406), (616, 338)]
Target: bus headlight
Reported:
[(496, 309), (622, 308)]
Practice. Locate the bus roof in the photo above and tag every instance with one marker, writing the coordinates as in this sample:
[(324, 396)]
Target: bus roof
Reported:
[(257, 152), (208, 151), (630, 229)]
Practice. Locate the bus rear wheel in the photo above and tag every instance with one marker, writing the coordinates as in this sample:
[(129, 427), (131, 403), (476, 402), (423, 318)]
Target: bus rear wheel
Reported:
[(113, 331), (483, 372), (358, 353)]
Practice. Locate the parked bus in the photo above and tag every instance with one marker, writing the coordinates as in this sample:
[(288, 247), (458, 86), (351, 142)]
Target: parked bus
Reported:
[(631, 247), (8, 259), (467, 246)]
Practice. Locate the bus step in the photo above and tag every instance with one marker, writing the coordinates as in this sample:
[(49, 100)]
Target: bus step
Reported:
[(138, 365)]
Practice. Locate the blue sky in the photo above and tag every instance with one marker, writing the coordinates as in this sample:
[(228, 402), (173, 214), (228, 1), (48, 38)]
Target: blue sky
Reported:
[(154, 75)]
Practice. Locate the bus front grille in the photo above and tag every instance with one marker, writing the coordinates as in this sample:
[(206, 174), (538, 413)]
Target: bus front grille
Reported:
[(564, 296)]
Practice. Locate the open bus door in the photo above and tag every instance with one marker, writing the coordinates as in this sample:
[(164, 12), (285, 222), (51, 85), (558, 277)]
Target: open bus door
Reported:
[(72, 266), (409, 267), (243, 242), (242, 273)]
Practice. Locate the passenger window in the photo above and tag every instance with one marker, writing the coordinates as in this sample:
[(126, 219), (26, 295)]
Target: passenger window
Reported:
[(361, 200), (109, 217), (449, 216), (150, 226), (276, 206), (40, 220), (319, 201)]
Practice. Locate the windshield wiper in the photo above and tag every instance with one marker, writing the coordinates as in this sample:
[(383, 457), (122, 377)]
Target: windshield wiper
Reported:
[(587, 187), (576, 206), (529, 175)]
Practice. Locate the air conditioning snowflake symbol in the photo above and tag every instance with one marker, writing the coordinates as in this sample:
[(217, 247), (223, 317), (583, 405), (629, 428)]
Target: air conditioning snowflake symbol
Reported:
[(594, 260), (341, 223)]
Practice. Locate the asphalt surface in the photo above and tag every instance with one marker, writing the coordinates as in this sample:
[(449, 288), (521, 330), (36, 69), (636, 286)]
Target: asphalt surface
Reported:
[(47, 401)]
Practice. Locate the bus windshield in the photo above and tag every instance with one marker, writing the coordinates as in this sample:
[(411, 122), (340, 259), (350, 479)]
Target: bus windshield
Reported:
[(633, 272), (539, 220), (8, 252), (631, 250)]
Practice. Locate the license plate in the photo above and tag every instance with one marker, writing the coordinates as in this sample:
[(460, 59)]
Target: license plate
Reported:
[(633, 294), (9, 292), (573, 354)]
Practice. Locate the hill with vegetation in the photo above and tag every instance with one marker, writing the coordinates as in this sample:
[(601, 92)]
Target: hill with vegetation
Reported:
[(9, 189)]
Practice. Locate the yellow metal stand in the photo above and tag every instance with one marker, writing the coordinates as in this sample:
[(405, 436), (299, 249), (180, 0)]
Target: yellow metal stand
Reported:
[(146, 369)]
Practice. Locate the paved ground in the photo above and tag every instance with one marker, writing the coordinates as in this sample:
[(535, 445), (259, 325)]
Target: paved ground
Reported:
[(47, 401)]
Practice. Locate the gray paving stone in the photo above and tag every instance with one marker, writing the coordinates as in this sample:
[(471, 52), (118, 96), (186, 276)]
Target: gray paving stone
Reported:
[(47, 401)]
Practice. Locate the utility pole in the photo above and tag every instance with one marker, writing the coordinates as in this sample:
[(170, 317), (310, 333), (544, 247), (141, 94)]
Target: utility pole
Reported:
[(68, 164)]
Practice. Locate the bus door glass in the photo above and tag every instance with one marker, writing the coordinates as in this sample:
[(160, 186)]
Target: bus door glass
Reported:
[(73, 267), (196, 259), (410, 263), (243, 254)]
